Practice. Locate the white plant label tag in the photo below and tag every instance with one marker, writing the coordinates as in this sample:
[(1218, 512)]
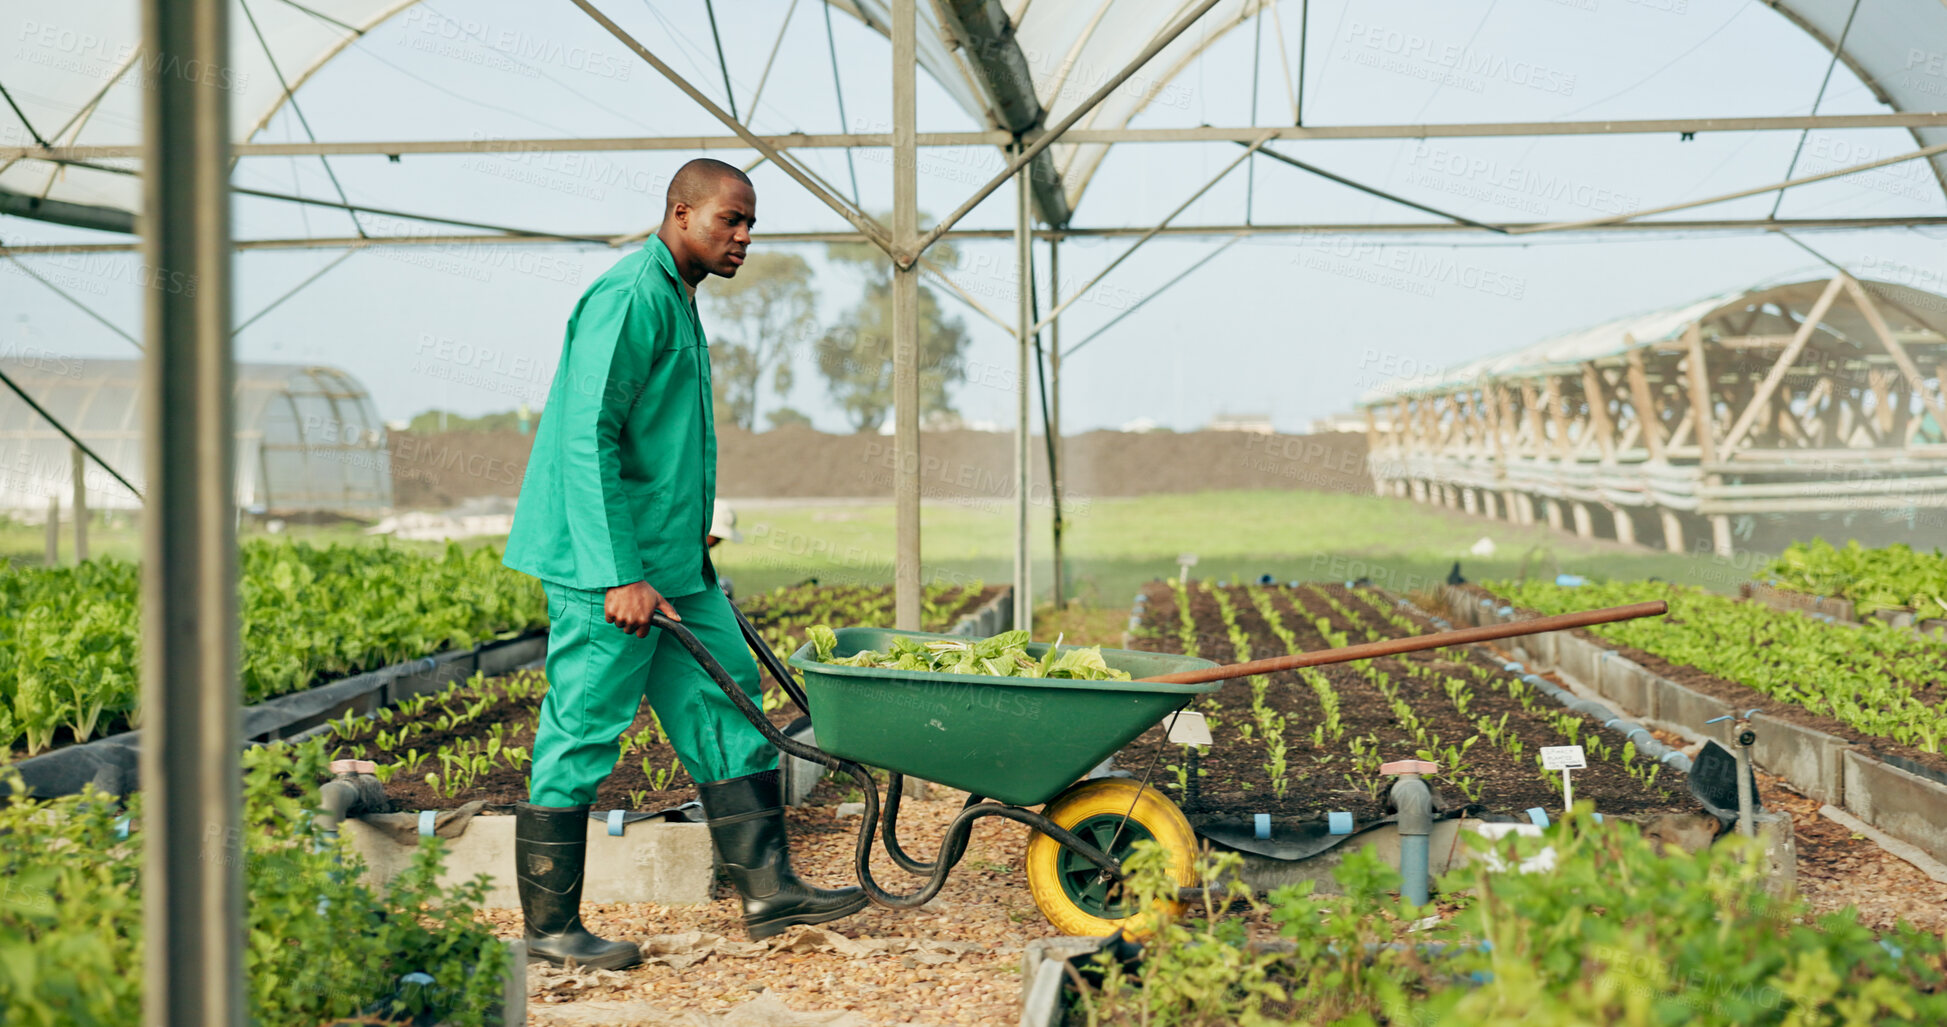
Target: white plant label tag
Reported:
[(1188, 728), (1563, 757), (1187, 559)]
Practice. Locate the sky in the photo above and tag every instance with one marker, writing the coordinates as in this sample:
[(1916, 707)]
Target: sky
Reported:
[(1294, 327)]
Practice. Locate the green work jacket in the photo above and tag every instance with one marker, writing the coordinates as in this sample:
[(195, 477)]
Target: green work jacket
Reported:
[(623, 472)]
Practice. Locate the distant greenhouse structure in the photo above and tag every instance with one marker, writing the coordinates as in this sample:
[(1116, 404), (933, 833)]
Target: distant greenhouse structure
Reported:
[(1808, 397), (308, 437)]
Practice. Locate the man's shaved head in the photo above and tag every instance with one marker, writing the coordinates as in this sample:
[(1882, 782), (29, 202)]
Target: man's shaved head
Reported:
[(699, 180), (707, 218)]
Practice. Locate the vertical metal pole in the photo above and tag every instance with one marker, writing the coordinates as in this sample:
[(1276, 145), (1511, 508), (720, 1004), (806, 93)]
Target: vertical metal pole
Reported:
[(1746, 802), (51, 554), (1304, 31), (80, 506), (1054, 412), (1023, 427), (192, 871), (905, 317)]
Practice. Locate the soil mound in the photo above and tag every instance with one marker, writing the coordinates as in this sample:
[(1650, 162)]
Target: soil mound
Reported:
[(439, 470)]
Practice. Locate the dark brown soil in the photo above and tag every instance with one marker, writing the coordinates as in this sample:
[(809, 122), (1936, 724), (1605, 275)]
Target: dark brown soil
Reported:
[(1323, 777), (627, 787), (436, 471), (630, 785), (1743, 697)]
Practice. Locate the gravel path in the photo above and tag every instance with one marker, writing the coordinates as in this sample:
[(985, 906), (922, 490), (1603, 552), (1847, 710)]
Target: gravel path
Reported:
[(1837, 868), (954, 961), (957, 960)]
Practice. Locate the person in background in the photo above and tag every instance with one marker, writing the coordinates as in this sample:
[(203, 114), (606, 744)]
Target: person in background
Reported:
[(723, 528), (615, 519)]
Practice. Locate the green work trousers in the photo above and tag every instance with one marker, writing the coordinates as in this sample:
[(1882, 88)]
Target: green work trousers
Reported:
[(599, 674)]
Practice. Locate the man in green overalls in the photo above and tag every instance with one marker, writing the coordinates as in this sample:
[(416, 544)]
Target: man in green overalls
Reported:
[(613, 518)]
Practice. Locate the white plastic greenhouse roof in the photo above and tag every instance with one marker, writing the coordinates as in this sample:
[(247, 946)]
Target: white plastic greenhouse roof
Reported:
[(1907, 311), (76, 85), (307, 437)]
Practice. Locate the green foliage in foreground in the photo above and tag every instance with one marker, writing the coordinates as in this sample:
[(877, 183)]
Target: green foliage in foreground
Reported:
[(1616, 933), (1003, 655), (320, 943), (1865, 675), (1894, 577), (68, 635)]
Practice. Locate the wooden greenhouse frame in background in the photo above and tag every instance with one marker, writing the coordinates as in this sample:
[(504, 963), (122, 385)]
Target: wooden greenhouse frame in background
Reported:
[(1799, 398)]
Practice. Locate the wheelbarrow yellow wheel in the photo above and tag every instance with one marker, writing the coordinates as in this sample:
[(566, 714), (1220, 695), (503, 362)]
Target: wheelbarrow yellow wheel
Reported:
[(1069, 889)]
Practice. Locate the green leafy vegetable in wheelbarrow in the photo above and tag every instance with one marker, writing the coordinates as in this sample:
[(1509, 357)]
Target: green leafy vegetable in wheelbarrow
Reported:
[(1004, 655)]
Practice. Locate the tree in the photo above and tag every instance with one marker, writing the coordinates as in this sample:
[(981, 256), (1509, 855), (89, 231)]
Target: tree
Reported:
[(761, 316), (855, 355), (438, 421), (788, 417)]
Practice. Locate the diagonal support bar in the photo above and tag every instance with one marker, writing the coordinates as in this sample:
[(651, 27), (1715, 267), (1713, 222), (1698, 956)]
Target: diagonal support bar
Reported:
[(1914, 379), (65, 433), (11, 254), (1850, 169), (1697, 379), (1380, 193), (1046, 139), (1151, 234), (1769, 385), (872, 230), (1640, 398), (966, 297), (1158, 291)]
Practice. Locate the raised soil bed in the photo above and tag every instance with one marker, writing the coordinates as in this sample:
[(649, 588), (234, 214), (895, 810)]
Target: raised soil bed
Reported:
[(1322, 774), (1733, 695), (648, 776), (635, 856), (1896, 788), (111, 763)]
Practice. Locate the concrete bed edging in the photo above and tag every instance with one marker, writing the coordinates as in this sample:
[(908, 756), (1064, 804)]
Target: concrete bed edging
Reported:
[(1824, 766), (1834, 609), (989, 618), (656, 861), (650, 861), (1780, 847), (111, 763), (1903, 804)]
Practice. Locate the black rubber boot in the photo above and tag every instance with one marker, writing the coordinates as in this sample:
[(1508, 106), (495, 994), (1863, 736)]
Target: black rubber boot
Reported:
[(550, 845), (746, 818)]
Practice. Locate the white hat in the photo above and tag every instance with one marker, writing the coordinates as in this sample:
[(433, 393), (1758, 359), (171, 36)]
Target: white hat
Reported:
[(723, 523)]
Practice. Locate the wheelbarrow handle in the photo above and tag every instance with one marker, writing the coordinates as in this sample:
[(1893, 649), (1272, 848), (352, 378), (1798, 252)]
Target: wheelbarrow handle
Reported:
[(735, 693), (770, 661), (1395, 646)]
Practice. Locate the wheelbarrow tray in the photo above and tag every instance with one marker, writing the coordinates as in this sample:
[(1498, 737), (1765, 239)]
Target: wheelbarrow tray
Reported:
[(1018, 740)]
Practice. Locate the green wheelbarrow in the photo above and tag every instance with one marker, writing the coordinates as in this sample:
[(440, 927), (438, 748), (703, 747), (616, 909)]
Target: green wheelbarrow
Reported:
[(1012, 743)]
